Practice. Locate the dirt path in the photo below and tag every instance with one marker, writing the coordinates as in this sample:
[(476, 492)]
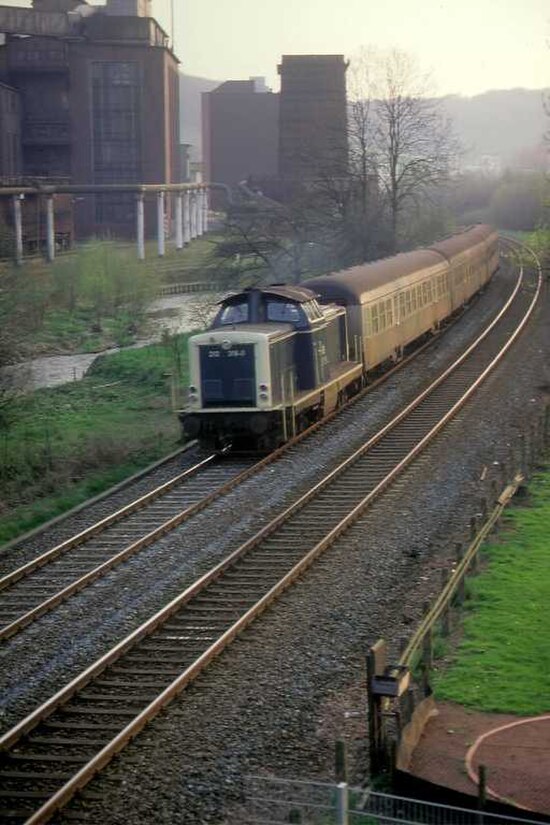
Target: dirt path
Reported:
[(517, 758)]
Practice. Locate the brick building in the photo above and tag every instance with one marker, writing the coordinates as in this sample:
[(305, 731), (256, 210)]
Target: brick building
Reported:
[(99, 101), (313, 116), (240, 131)]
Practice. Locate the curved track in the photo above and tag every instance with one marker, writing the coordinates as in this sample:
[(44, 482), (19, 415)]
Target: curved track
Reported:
[(56, 750), (45, 582)]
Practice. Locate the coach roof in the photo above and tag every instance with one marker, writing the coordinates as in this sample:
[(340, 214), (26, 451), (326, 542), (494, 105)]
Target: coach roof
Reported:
[(350, 286)]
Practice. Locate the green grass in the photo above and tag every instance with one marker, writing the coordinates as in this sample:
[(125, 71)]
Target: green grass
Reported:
[(61, 445), (503, 661)]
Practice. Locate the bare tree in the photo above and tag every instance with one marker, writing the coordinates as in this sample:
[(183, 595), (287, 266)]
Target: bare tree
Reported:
[(400, 136)]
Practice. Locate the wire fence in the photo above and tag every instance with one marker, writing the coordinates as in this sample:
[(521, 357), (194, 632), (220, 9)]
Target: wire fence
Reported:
[(272, 801)]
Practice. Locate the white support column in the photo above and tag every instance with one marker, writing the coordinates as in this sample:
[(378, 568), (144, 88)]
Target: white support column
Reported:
[(18, 225), (200, 229), (179, 220), (187, 217), (140, 226), (50, 229), (160, 224), (193, 210), (205, 213)]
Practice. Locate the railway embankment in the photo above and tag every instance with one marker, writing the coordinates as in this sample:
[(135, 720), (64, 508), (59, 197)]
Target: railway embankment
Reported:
[(491, 677), (62, 445)]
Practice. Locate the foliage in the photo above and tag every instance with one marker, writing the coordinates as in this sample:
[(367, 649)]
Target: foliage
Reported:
[(503, 662), (75, 435)]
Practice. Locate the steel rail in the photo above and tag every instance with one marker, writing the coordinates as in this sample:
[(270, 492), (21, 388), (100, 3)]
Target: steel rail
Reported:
[(10, 629), (59, 798), (443, 600), (100, 526)]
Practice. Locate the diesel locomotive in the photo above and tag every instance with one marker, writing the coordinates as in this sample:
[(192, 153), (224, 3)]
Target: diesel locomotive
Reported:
[(277, 358)]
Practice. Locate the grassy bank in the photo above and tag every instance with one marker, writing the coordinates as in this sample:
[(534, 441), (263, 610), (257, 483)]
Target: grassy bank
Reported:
[(503, 661), (59, 446)]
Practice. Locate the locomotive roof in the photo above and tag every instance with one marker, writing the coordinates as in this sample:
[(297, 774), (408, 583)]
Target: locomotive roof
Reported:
[(298, 294), (349, 285)]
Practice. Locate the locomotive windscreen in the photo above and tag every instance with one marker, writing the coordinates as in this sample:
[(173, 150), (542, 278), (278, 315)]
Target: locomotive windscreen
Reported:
[(228, 375)]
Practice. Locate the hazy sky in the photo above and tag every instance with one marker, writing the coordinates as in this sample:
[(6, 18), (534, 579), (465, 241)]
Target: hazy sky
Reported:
[(468, 45)]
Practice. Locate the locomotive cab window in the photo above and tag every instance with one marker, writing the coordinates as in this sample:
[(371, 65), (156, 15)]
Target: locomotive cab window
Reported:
[(233, 314), (287, 313)]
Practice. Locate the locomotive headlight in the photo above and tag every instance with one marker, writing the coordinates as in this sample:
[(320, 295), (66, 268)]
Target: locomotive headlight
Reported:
[(264, 396), (192, 390), (263, 387)]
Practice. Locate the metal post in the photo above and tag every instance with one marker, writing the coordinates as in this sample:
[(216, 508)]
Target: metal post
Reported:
[(50, 229), (342, 803), (18, 224), (179, 220), (140, 227), (160, 224), (187, 216)]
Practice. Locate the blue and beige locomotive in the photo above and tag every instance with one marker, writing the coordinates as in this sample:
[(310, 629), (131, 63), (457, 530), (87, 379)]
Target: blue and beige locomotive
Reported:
[(280, 357)]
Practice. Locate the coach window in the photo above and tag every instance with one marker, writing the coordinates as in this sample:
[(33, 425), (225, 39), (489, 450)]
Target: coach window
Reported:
[(375, 323), (382, 315), (389, 312), (408, 302), (401, 306)]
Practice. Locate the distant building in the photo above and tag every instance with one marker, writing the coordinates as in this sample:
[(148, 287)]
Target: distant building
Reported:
[(99, 101), (240, 125), (313, 116)]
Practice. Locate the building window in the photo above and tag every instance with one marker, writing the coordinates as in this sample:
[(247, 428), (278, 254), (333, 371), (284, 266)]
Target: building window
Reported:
[(116, 129)]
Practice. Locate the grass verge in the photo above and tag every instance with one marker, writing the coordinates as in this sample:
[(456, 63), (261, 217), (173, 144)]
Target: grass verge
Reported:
[(62, 445), (503, 661)]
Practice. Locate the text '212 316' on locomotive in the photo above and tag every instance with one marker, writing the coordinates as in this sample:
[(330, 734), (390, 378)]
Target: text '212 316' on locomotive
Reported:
[(280, 357)]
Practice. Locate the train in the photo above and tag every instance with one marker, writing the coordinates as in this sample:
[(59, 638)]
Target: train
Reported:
[(277, 358)]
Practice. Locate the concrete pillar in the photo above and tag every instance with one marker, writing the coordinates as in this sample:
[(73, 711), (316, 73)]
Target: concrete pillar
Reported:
[(199, 212), (187, 216), (179, 220), (193, 214), (205, 205), (50, 229), (160, 224), (140, 226), (18, 225)]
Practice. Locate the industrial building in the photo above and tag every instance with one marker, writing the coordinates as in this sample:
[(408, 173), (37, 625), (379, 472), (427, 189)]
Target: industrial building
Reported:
[(281, 140), (313, 116), (97, 92), (240, 131)]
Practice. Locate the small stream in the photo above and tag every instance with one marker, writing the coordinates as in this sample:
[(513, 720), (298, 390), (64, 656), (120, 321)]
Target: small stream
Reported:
[(174, 313)]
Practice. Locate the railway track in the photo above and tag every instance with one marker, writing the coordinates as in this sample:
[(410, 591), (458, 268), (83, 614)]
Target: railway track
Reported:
[(58, 748), (42, 584), (39, 586)]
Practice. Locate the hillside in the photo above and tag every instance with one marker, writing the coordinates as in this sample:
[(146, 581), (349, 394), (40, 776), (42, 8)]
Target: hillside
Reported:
[(507, 125)]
